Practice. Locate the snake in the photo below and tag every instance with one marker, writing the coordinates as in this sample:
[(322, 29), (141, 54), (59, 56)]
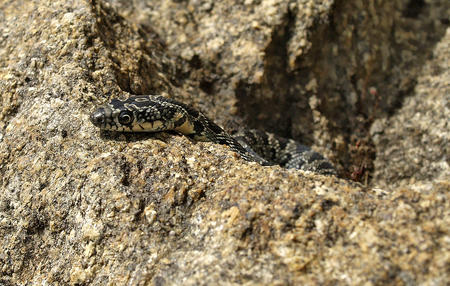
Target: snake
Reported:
[(157, 113)]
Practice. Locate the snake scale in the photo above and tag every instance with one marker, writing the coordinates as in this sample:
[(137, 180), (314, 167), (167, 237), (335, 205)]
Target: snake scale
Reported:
[(154, 113)]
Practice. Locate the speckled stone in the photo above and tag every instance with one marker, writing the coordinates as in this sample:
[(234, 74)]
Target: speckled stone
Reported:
[(78, 206), (413, 145)]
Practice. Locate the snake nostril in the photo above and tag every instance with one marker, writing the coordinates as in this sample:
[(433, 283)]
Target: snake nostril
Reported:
[(97, 118)]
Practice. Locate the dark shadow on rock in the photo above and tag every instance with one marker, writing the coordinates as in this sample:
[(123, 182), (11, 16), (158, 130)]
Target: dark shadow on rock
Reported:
[(364, 60)]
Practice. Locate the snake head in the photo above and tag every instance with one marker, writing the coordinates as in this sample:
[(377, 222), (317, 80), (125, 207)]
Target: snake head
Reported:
[(134, 114), (114, 116)]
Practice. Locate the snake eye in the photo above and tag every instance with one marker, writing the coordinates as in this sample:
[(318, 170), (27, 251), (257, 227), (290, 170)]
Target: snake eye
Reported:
[(125, 117)]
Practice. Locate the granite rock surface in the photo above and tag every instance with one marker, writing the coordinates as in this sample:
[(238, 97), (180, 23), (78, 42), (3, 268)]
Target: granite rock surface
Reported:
[(421, 129), (367, 85)]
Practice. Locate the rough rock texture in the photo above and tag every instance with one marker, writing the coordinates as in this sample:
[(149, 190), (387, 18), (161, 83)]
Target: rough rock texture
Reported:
[(420, 129), (82, 207)]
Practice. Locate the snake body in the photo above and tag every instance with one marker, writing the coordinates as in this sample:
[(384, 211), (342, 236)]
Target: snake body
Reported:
[(154, 113)]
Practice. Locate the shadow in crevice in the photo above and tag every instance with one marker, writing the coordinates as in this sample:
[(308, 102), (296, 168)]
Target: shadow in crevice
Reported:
[(365, 61), (270, 105), (414, 8)]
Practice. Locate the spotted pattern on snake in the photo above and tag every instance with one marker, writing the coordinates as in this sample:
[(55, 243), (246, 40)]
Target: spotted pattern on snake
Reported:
[(154, 113)]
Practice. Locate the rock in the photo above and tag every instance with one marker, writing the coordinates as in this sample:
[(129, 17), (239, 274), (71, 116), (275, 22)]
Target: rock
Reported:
[(78, 206), (413, 145)]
